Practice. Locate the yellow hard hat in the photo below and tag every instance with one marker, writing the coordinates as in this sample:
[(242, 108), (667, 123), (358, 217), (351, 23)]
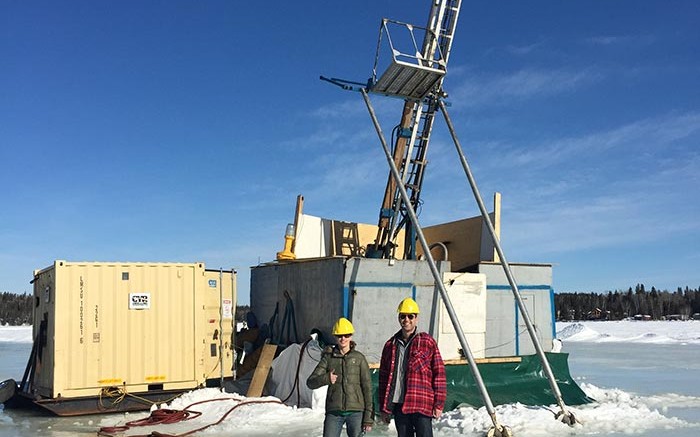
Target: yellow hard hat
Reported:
[(343, 327), (408, 306)]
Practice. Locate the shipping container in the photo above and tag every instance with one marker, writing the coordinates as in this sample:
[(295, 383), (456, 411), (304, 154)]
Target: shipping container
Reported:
[(122, 331)]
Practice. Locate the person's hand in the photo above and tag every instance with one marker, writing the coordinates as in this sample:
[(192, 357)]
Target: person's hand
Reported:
[(333, 376), (437, 412), (366, 428), (386, 418)]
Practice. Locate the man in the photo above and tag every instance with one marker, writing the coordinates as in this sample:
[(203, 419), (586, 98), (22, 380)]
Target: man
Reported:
[(412, 384)]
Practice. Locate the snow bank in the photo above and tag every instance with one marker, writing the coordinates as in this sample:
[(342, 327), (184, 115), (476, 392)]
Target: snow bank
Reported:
[(16, 334), (243, 416), (630, 331), (615, 412)]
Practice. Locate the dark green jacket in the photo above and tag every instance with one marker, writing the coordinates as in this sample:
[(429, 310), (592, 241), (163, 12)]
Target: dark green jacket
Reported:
[(352, 390)]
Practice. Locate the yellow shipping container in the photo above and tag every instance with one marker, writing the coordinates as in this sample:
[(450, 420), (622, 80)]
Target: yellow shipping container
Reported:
[(110, 330)]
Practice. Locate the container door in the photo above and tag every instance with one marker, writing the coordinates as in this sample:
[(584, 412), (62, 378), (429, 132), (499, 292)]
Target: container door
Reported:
[(524, 344)]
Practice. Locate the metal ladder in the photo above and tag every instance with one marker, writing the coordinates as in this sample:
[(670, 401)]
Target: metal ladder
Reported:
[(346, 240)]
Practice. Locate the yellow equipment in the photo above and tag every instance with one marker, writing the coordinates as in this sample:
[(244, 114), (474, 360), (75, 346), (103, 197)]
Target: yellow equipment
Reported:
[(287, 252)]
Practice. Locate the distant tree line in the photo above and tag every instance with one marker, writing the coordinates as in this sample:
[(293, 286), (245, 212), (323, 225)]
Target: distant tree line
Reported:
[(15, 309), (616, 305)]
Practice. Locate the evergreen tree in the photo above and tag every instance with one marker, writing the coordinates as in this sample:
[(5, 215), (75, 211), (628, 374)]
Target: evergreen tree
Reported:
[(15, 309), (620, 304)]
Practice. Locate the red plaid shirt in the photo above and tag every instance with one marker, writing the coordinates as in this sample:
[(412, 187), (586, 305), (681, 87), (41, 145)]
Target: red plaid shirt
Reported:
[(425, 386)]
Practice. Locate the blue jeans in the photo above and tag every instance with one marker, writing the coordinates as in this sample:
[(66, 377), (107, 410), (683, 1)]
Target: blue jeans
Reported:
[(333, 425), (414, 424)]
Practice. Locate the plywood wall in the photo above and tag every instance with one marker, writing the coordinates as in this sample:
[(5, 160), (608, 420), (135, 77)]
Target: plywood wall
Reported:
[(467, 241)]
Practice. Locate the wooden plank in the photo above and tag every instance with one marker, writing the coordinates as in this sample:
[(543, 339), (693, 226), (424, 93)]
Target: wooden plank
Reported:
[(297, 216), (464, 361), (262, 370), (467, 240), (485, 360)]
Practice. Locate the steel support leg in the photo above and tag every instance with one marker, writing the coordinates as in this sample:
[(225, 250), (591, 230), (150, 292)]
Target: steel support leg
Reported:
[(564, 415), (499, 430)]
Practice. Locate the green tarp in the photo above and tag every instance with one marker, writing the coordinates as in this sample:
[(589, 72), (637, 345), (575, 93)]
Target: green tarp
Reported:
[(510, 382)]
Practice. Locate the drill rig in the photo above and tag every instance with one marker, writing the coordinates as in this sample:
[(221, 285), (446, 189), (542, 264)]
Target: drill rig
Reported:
[(412, 135), (416, 76)]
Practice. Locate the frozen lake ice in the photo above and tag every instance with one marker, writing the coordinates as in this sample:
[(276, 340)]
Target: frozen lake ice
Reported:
[(642, 374)]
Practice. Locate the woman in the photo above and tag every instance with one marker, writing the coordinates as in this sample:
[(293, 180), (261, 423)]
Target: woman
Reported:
[(349, 396)]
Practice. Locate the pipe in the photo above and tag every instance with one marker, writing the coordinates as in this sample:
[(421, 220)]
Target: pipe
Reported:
[(221, 326), (506, 268), (433, 269)]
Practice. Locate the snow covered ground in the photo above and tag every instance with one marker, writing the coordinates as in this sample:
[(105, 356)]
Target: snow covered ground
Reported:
[(643, 376), (631, 331), (16, 334)]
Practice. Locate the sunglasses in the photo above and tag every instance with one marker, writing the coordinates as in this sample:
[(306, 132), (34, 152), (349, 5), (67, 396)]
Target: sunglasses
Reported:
[(408, 316), (343, 336)]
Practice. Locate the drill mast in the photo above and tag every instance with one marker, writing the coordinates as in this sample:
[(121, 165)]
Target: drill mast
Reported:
[(411, 136)]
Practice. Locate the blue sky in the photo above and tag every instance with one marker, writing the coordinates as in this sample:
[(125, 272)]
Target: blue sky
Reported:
[(184, 130)]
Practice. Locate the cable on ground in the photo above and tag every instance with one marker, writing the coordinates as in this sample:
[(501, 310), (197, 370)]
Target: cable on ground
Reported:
[(169, 416)]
